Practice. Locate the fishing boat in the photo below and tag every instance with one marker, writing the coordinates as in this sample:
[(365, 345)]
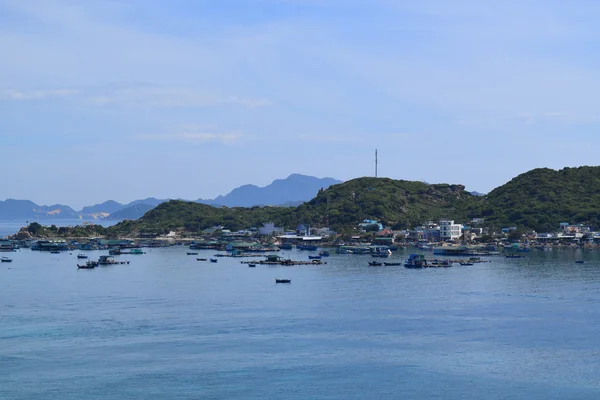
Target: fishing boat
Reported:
[(191, 253), (314, 257), (415, 261), (285, 246), (81, 256), (283, 281), (108, 260), (88, 265), (391, 264), (201, 259), (6, 259), (375, 263), (324, 254), (252, 265), (579, 261), (514, 256), (213, 260), (466, 264), (55, 252)]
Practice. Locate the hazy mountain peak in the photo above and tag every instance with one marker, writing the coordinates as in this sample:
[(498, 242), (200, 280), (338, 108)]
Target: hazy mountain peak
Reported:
[(291, 190)]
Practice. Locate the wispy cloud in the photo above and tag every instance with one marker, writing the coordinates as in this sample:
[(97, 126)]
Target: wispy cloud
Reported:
[(170, 97), (331, 138), (23, 95), (194, 136), (138, 97)]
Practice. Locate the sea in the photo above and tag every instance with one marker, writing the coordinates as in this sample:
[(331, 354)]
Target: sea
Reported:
[(166, 326)]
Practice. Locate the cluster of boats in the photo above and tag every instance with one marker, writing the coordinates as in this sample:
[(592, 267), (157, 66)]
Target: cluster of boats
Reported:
[(419, 261), (102, 260)]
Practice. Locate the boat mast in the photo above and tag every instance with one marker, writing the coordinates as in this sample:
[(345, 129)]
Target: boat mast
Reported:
[(375, 163)]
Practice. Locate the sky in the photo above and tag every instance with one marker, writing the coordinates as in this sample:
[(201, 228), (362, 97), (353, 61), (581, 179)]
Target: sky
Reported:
[(127, 99)]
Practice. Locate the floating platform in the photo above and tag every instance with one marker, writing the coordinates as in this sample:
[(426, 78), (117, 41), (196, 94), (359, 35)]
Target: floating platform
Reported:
[(285, 262)]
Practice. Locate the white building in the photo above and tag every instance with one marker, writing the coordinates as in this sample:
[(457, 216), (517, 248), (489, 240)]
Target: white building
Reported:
[(269, 229), (449, 230)]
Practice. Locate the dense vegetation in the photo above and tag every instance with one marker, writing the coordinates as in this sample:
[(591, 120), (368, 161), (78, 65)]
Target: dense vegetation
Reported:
[(194, 217), (542, 198), (397, 203), (39, 231)]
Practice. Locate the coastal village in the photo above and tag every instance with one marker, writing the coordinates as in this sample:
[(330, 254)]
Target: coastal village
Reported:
[(444, 237)]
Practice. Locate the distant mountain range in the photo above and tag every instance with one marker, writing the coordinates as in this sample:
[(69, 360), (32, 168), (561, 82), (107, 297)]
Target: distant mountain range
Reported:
[(289, 192)]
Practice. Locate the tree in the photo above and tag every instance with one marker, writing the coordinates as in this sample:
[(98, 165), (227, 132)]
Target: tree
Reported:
[(515, 235), (372, 228)]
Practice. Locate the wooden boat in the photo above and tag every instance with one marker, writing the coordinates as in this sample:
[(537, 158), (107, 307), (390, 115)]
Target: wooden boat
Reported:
[(88, 265), (466, 263), (415, 261), (252, 265), (375, 264), (514, 256), (6, 259), (283, 281), (55, 252), (579, 261), (213, 260), (314, 257), (82, 256), (202, 259), (190, 253), (324, 254), (391, 264)]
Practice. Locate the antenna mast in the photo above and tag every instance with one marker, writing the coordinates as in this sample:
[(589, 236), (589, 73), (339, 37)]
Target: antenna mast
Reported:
[(375, 163)]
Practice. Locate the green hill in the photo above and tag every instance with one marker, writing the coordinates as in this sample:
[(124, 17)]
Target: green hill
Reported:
[(396, 202), (194, 217), (539, 199), (542, 198)]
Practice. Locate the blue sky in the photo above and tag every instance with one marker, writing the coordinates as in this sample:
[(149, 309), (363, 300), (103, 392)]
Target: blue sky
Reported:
[(191, 98)]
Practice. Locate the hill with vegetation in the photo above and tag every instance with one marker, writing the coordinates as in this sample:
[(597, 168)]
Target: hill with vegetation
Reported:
[(542, 198), (395, 202), (192, 217)]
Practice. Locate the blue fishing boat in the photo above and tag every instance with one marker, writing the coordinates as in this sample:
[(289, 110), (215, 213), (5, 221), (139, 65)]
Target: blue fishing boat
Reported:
[(415, 261)]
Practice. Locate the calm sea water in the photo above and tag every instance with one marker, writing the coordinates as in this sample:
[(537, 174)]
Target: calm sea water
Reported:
[(11, 227), (169, 327)]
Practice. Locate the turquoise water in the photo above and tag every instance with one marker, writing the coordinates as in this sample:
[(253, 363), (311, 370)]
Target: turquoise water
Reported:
[(168, 326)]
